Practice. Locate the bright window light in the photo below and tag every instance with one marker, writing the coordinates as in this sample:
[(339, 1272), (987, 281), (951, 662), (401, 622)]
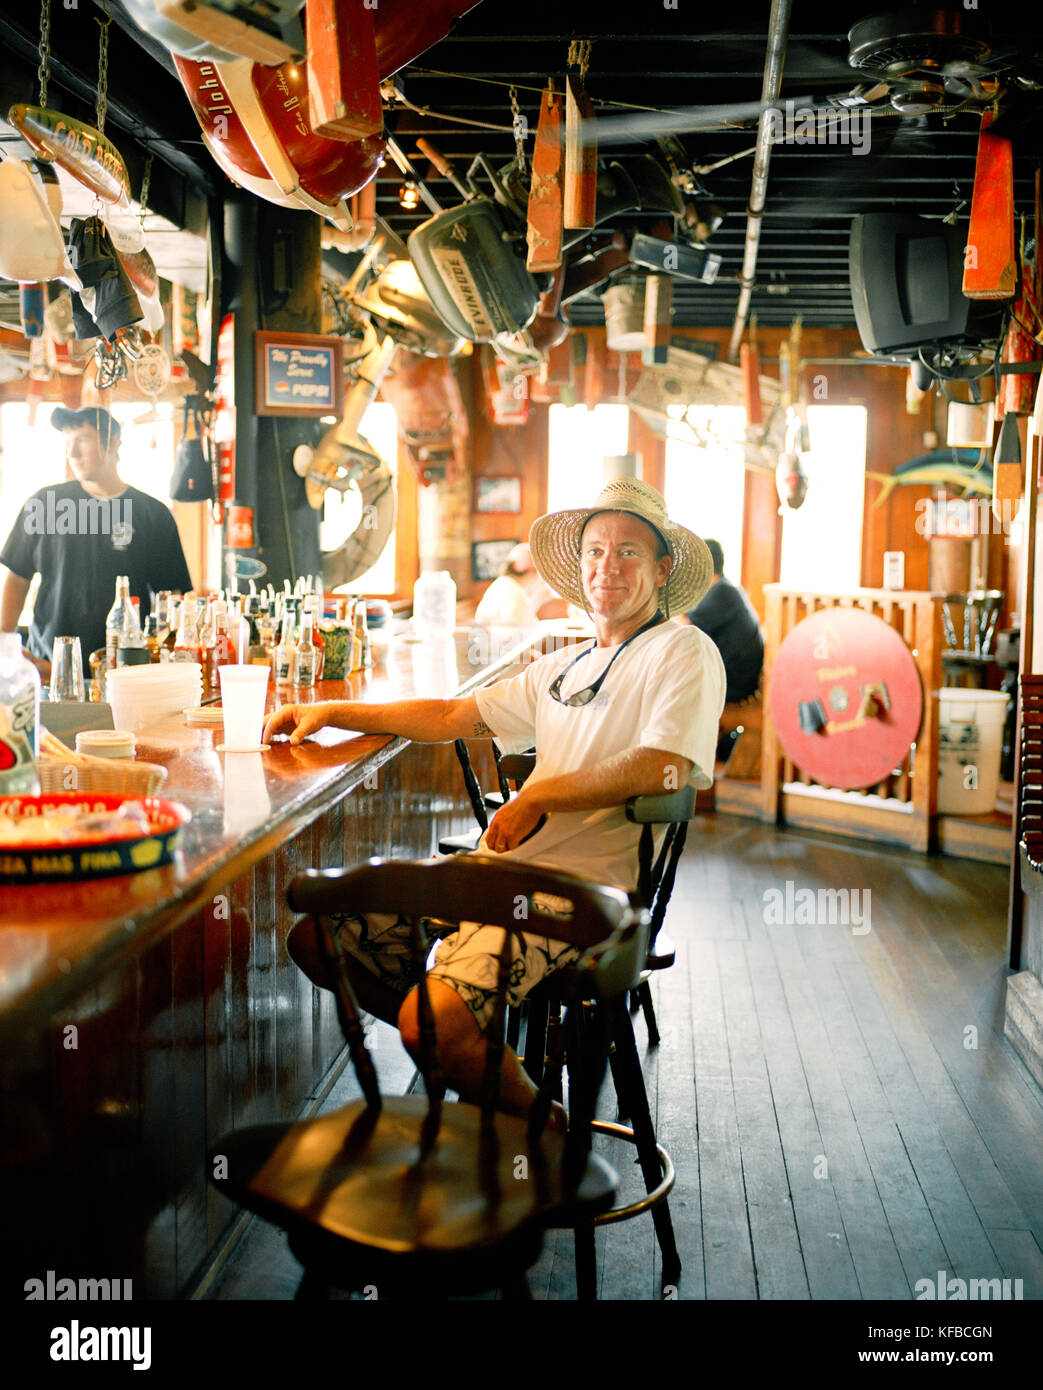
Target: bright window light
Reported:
[(579, 441), (705, 483), (822, 540), (342, 511)]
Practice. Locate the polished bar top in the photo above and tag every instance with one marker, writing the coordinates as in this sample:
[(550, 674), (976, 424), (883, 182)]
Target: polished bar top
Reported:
[(55, 939)]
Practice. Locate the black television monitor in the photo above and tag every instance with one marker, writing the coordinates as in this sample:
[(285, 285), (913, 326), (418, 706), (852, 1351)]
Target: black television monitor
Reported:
[(907, 282)]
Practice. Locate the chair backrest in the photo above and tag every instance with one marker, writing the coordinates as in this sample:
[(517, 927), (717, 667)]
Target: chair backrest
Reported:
[(608, 925)]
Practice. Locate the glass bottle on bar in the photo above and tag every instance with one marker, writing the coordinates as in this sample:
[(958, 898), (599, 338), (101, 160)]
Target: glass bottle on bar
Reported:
[(152, 637), (362, 633), (118, 616), (315, 604), (174, 607), (224, 650), (208, 647), (306, 654), (285, 653), (186, 643)]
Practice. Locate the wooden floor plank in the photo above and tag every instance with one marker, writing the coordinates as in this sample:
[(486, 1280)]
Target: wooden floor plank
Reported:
[(1020, 1258), (676, 1114), (778, 1261), (727, 1251)]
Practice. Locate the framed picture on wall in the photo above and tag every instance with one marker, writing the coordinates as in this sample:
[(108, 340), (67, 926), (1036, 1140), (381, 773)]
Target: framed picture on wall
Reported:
[(489, 557), (497, 494)]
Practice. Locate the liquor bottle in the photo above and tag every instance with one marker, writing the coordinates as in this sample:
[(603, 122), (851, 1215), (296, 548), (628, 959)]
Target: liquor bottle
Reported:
[(19, 719), (208, 647), (306, 654), (186, 644), (224, 650), (173, 623), (117, 617), (152, 639), (162, 606), (130, 632), (285, 655), (362, 633), (318, 638)]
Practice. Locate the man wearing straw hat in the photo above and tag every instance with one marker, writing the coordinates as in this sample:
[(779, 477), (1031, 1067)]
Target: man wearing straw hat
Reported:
[(634, 713)]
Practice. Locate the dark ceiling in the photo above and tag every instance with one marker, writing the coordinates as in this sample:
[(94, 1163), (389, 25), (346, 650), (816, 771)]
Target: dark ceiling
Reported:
[(644, 56)]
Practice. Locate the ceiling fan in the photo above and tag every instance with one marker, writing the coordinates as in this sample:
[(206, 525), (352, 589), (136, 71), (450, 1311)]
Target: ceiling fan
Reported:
[(913, 60)]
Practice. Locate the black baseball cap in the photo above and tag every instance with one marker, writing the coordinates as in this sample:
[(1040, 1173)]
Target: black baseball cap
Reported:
[(93, 415)]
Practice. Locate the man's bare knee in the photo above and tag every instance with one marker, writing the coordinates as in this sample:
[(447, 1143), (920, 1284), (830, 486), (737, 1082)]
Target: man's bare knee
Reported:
[(455, 1025)]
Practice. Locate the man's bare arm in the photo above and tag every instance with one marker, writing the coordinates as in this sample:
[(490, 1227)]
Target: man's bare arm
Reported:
[(424, 721), (12, 600), (637, 772)]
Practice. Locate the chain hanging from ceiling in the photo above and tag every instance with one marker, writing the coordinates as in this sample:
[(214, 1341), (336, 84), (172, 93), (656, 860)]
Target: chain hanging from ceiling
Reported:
[(101, 103), (520, 127), (43, 72), (146, 181)]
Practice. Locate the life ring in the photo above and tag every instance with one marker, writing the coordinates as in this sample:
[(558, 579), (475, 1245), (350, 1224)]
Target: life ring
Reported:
[(334, 463), (365, 545)]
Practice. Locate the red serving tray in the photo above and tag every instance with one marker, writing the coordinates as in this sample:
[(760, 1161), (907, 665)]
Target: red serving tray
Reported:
[(86, 857)]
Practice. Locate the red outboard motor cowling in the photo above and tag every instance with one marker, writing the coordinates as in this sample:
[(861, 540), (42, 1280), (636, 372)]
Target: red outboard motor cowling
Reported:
[(255, 123)]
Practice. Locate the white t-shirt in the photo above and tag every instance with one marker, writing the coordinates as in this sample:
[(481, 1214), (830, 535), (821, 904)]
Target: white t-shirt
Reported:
[(665, 691), (505, 603), (508, 603)]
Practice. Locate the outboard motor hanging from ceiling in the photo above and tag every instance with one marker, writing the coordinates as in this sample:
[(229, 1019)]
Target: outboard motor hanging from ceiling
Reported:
[(471, 259)]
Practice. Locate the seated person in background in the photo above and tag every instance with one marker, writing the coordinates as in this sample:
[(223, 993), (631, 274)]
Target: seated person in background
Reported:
[(519, 597), (633, 714), (727, 615)]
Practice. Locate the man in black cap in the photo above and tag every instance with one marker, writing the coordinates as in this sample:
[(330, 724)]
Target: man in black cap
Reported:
[(79, 536)]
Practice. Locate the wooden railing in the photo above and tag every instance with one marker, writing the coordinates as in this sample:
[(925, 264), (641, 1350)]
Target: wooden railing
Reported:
[(903, 805)]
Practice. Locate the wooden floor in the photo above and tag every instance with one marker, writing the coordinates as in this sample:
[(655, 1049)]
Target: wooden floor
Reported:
[(843, 1111)]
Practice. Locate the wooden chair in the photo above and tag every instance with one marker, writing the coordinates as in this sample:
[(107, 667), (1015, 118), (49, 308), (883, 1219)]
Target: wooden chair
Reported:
[(420, 1197), (656, 875), (481, 802)]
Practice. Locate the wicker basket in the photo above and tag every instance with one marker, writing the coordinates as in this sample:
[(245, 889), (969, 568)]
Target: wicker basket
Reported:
[(62, 770)]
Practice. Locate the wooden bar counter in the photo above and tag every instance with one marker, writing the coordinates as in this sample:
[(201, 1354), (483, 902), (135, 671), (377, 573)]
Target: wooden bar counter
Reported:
[(144, 1015)]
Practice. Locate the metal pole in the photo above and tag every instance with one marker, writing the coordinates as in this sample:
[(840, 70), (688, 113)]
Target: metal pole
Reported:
[(778, 32)]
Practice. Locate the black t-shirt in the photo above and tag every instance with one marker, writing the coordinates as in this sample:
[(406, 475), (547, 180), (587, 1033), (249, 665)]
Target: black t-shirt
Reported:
[(726, 615), (79, 544)]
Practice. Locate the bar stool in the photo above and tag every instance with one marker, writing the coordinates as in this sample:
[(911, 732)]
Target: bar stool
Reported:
[(429, 1198)]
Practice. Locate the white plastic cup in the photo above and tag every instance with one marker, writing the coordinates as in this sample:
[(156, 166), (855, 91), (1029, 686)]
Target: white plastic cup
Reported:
[(244, 691)]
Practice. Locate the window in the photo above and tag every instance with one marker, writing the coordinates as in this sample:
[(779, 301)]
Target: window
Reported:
[(579, 441), (705, 483), (822, 540), (342, 511)]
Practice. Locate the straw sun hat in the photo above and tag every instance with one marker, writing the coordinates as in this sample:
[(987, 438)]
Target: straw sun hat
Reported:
[(555, 545)]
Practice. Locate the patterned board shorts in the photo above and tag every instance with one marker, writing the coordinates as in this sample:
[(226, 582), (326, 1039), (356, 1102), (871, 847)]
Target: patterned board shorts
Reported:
[(467, 957)]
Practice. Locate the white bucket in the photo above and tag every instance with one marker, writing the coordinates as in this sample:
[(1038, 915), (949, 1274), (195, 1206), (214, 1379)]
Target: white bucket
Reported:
[(970, 743)]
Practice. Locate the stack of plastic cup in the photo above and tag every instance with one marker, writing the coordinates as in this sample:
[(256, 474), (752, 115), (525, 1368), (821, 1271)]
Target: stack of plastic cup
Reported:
[(144, 695)]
